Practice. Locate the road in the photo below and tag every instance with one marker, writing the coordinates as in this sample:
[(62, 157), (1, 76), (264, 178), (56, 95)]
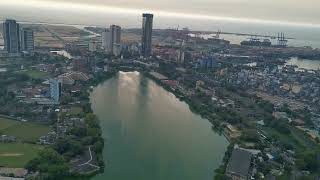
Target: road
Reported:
[(89, 161), (54, 34)]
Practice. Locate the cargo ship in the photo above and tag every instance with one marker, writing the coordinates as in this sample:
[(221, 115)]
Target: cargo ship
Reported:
[(256, 42)]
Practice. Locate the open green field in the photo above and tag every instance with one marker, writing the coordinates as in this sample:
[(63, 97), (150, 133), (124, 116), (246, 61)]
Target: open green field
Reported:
[(23, 131), (6, 123), (76, 110), (297, 139), (16, 155), (35, 74)]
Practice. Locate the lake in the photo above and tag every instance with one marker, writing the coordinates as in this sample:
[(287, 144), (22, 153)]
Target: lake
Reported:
[(304, 63), (150, 134)]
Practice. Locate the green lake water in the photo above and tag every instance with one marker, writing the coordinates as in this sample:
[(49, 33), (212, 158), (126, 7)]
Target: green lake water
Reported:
[(151, 135)]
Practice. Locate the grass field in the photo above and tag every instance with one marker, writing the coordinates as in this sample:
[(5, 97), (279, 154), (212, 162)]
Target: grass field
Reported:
[(23, 131), (6, 123), (76, 110), (35, 74), (16, 155), (297, 139)]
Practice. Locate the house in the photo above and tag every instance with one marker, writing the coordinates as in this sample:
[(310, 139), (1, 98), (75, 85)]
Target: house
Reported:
[(70, 77), (239, 165), (280, 115), (231, 132), (298, 122), (14, 173), (7, 139)]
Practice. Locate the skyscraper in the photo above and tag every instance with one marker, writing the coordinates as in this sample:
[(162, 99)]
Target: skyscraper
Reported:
[(111, 39), (11, 34), (27, 40), (115, 38), (55, 89), (105, 40), (147, 35)]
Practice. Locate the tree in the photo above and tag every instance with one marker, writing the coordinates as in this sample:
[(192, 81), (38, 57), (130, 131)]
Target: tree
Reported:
[(92, 121), (78, 131), (250, 135), (98, 146), (267, 106), (50, 165), (68, 147), (61, 146), (309, 161)]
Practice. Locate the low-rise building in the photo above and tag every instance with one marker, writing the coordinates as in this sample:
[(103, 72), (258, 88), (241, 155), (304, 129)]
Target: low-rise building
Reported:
[(70, 77), (239, 166), (7, 139)]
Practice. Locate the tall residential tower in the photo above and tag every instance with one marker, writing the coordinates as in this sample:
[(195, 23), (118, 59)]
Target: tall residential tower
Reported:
[(115, 39), (11, 34), (147, 35), (111, 40), (27, 40), (105, 39)]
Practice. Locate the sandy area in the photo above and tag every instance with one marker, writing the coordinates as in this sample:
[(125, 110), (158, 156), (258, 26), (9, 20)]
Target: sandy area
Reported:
[(10, 155)]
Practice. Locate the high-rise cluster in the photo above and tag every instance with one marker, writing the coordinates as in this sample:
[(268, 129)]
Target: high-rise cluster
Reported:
[(17, 39), (111, 40)]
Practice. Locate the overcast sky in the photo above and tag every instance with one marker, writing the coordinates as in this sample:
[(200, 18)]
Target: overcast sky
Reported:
[(288, 11)]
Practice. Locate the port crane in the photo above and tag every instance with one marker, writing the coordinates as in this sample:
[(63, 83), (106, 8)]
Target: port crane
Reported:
[(282, 40)]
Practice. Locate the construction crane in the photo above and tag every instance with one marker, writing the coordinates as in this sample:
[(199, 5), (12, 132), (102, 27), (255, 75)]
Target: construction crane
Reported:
[(282, 41), (217, 36)]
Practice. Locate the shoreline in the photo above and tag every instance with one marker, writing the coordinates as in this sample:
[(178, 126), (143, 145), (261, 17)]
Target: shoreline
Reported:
[(96, 81)]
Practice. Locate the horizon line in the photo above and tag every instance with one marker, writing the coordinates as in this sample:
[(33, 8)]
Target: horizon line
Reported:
[(159, 13)]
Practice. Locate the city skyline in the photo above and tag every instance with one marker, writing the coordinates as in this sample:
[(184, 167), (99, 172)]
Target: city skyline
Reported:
[(262, 11)]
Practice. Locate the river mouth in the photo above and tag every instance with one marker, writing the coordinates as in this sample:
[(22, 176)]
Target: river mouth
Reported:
[(151, 134)]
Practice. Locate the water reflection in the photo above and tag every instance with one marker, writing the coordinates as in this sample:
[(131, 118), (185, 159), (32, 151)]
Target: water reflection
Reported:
[(150, 134)]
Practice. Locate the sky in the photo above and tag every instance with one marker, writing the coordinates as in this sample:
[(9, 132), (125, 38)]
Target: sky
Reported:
[(299, 19), (306, 12)]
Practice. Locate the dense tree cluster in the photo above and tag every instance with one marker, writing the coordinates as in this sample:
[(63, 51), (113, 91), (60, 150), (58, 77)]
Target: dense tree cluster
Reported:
[(309, 161), (68, 147), (50, 164)]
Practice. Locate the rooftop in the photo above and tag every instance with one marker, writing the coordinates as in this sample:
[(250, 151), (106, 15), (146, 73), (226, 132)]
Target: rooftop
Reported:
[(239, 163)]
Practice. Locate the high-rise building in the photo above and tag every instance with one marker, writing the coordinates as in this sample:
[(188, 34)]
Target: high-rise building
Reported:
[(111, 40), (180, 56), (115, 38), (181, 53), (27, 40), (11, 34), (147, 35), (207, 62), (55, 89), (105, 40), (117, 49), (92, 46)]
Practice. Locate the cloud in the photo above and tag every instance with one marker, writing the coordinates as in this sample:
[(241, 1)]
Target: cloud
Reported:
[(269, 11)]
